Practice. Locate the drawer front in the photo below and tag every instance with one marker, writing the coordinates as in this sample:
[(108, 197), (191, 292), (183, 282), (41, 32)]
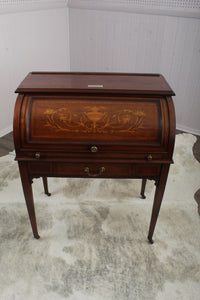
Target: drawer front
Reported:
[(145, 170), (40, 168), (93, 170)]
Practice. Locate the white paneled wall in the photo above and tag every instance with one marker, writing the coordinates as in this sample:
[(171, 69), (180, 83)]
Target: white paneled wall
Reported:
[(106, 35), (102, 40), (29, 41)]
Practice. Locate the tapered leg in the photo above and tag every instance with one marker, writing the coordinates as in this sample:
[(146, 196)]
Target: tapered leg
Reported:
[(144, 181), (160, 188), (28, 194), (45, 183)]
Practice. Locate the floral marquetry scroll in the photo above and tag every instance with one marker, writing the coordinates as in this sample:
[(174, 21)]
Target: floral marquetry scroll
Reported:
[(94, 119), (67, 118)]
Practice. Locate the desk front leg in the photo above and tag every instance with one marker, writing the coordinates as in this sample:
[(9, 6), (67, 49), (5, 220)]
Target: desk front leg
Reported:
[(28, 194), (160, 188)]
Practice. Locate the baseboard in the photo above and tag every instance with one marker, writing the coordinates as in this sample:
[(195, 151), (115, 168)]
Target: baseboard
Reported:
[(6, 130), (188, 129)]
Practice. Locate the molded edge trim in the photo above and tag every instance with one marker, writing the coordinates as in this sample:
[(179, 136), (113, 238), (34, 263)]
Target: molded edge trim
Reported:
[(131, 8), (37, 6)]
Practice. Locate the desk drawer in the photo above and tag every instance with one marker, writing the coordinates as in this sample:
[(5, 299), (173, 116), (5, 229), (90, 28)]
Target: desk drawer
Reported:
[(40, 168), (145, 170), (92, 170)]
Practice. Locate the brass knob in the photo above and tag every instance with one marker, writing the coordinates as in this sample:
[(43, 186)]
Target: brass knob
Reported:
[(37, 155), (149, 157), (94, 149)]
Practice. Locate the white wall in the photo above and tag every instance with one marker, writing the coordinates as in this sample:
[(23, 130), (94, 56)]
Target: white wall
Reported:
[(101, 39), (106, 40), (29, 41)]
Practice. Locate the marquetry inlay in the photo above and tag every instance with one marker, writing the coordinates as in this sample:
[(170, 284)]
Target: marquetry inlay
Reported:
[(94, 119)]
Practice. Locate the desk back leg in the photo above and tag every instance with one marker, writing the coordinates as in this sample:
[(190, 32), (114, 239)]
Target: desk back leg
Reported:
[(144, 181), (45, 183), (28, 194), (160, 188)]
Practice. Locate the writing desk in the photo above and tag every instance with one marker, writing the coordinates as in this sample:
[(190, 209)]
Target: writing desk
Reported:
[(94, 125)]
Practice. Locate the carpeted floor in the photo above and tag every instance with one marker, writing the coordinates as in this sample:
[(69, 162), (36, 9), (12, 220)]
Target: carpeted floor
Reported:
[(93, 237)]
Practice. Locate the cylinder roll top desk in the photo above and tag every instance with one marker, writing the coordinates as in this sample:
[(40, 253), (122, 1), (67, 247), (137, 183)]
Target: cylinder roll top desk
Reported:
[(94, 125)]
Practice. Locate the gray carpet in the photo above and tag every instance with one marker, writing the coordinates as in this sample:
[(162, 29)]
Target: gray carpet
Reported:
[(93, 241)]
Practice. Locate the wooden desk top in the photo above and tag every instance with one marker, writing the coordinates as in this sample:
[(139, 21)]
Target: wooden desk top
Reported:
[(109, 83)]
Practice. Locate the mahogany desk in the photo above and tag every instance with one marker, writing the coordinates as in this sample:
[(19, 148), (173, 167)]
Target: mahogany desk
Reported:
[(103, 125)]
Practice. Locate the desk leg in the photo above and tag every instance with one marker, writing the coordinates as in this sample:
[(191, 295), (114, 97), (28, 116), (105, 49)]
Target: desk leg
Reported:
[(160, 188), (144, 181), (45, 183), (28, 194)]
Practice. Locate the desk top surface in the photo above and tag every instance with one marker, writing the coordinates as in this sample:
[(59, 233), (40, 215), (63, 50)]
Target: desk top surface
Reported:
[(110, 83)]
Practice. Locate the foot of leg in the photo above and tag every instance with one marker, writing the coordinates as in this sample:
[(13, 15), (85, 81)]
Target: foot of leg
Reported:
[(46, 186), (150, 241), (36, 236)]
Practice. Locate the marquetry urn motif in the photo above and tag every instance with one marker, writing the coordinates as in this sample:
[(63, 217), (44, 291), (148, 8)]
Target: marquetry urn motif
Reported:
[(94, 119)]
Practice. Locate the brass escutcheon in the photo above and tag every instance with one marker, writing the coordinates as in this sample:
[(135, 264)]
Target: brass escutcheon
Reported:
[(37, 155), (94, 149)]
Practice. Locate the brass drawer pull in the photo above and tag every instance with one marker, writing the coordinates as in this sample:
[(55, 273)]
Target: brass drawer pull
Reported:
[(37, 155), (94, 149), (149, 157), (87, 170)]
